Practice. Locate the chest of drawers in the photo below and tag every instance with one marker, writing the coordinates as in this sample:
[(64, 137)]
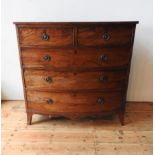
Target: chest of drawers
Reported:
[(75, 69)]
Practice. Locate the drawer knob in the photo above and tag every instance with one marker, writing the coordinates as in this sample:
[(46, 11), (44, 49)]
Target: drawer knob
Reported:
[(104, 57), (48, 79), (100, 100), (46, 58), (45, 36), (50, 101), (106, 36), (103, 78)]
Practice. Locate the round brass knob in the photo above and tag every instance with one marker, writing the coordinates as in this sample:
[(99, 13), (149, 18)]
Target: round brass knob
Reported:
[(45, 36), (100, 100), (103, 78), (106, 36), (50, 101), (46, 58), (48, 79), (104, 57)]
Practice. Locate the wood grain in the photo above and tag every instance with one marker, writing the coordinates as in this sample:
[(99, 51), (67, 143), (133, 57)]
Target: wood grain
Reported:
[(36, 79), (73, 102), (57, 36), (83, 137), (80, 58), (93, 36)]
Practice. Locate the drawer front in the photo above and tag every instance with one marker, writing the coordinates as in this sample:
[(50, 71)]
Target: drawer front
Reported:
[(74, 81), (46, 36), (106, 35), (73, 102), (81, 58)]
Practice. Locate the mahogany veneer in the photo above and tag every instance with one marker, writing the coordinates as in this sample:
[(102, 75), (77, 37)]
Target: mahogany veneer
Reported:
[(75, 69)]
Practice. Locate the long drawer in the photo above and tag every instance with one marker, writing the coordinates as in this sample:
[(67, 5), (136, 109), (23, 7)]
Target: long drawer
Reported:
[(48, 102), (43, 79), (80, 58)]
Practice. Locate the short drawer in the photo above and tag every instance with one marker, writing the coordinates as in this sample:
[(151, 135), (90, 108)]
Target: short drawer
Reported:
[(41, 79), (46, 36), (80, 58), (73, 102), (105, 35)]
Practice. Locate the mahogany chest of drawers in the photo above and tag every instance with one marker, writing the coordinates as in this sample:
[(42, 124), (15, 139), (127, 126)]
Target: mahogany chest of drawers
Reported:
[(75, 69)]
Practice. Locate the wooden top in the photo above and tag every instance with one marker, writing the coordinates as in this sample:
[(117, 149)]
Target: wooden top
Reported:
[(72, 23)]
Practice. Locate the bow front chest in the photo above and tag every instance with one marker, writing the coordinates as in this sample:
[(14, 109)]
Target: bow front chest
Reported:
[(75, 69)]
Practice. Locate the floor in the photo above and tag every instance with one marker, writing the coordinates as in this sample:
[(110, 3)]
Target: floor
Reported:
[(83, 137)]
